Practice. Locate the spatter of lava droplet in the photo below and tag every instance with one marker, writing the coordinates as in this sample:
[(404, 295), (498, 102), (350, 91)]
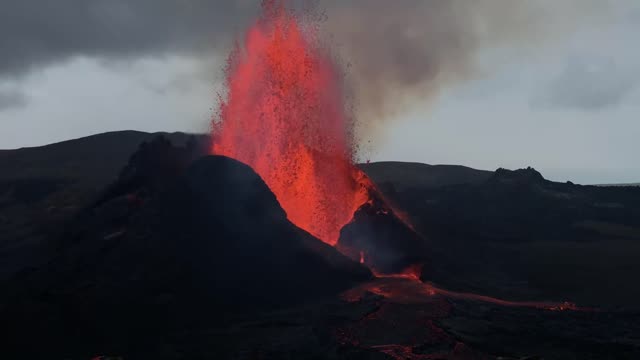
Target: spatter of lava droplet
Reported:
[(284, 115)]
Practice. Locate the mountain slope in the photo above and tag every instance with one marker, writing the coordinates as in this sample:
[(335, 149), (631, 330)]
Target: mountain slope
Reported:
[(93, 159), (404, 175), (168, 260)]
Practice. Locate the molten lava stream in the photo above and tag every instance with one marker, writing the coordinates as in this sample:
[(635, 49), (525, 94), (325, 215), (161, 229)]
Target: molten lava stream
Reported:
[(407, 285), (285, 117)]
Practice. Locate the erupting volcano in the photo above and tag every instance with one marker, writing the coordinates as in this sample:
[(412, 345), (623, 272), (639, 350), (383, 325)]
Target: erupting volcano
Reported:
[(285, 115)]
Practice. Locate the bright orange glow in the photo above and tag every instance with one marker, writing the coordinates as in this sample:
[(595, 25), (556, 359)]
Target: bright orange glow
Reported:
[(284, 115)]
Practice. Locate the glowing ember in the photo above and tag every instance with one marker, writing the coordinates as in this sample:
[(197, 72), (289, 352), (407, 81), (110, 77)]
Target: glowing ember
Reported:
[(284, 116)]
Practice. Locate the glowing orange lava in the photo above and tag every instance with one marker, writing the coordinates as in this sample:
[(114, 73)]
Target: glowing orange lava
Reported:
[(284, 115)]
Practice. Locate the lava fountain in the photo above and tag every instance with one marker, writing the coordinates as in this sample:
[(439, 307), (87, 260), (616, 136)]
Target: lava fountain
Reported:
[(285, 116)]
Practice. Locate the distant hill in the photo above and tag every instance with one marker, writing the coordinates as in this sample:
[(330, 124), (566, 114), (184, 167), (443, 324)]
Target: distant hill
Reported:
[(404, 175), (94, 159), (633, 184)]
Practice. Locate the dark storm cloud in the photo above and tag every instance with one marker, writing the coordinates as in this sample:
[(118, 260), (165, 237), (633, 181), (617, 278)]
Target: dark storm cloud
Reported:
[(35, 32), (11, 99)]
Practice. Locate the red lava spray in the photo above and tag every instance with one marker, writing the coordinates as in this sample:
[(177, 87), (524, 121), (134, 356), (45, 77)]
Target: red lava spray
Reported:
[(285, 116)]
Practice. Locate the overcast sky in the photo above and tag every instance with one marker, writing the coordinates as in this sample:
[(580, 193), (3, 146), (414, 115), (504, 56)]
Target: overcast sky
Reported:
[(568, 105)]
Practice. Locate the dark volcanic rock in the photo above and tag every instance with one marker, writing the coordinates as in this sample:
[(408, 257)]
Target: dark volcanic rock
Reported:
[(518, 235), (43, 188), (380, 239), (519, 176), (129, 278)]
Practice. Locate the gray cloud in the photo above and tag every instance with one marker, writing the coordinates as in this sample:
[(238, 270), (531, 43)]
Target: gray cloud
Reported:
[(590, 84), (10, 99), (401, 51)]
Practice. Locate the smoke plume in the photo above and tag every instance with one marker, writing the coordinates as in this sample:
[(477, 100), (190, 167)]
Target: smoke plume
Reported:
[(406, 52)]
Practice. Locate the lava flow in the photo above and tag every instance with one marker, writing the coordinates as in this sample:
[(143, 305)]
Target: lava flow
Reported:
[(285, 116), (406, 288), (412, 272)]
